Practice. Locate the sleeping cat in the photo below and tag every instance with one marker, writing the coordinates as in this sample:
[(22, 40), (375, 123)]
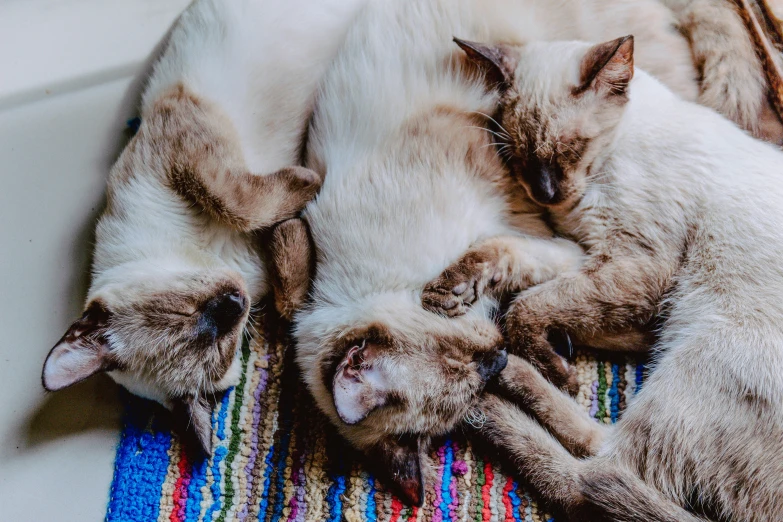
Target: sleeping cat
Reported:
[(411, 182), (676, 207), (177, 265)]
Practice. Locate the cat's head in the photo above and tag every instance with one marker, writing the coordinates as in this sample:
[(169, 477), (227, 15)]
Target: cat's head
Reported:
[(390, 377), (559, 106), (165, 319)]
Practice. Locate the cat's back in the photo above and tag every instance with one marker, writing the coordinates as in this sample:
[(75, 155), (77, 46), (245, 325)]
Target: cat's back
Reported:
[(720, 189), (259, 62)]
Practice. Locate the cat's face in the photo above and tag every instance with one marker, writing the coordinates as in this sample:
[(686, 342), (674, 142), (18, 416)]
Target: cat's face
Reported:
[(165, 330), (393, 380), (560, 103)]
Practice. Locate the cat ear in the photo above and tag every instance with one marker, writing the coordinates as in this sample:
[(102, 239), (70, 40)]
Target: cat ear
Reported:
[(359, 385), (492, 59), (81, 352), (607, 68), (193, 415), (400, 458)]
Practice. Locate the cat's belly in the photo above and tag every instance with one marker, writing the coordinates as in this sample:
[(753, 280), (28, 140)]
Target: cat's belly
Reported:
[(401, 232)]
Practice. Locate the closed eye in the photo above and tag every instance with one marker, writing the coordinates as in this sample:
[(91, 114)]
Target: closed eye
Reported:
[(178, 312)]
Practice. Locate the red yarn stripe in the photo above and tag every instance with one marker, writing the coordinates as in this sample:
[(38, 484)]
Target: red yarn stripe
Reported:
[(486, 512), (180, 496), (396, 508), (507, 500)]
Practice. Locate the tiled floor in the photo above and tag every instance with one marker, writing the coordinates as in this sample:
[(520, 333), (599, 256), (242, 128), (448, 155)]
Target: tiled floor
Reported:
[(66, 90)]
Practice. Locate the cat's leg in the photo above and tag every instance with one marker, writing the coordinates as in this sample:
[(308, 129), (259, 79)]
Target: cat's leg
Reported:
[(538, 457), (603, 296), (200, 155), (596, 489), (292, 264), (522, 384), (498, 265)]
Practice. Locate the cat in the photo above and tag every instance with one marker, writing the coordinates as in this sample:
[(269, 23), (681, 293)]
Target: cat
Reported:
[(731, 75), (177, 262), (679, 211), (399, 135), (410, 181)]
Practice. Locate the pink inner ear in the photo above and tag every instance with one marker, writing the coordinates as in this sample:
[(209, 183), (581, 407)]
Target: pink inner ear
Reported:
[(81, 352), (354, 360), (359, 386), (69, 363)]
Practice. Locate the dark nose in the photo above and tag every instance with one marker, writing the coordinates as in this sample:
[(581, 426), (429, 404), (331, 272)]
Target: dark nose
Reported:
[(490, 364), (224, 311), (544, 181)]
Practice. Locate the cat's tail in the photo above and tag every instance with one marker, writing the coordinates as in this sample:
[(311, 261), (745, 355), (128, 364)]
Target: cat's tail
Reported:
[(619, 496), (733, 78)]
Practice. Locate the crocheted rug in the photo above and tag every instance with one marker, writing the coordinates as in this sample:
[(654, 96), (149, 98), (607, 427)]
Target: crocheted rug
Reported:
[(276, 457)]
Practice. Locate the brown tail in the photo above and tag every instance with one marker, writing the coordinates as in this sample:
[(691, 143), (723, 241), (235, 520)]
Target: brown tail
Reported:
[(765, 31), (733, 44)]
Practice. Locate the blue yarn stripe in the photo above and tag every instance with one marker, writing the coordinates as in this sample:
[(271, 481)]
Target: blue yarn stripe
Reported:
[(371, 513), (516, 502), (197, 481), (217, 458), (334, 498), (639, 377), (614, 395), (448, 460), (141, 466), (277, 508)]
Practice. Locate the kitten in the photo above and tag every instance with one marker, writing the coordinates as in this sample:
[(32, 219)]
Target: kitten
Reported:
[(177, 263), (411, 183), (677, 207)]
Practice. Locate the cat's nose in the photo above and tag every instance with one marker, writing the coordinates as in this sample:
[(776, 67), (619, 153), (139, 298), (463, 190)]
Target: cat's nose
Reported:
[(225, 310), (544, 187), (490, 364)]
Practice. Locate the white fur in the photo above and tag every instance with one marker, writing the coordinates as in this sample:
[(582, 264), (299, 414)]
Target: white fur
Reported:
[(710, 417), (386, 223), (260, 62)]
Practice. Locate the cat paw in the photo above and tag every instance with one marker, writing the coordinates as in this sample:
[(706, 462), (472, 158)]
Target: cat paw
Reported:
[(526, 334), (462, 284)]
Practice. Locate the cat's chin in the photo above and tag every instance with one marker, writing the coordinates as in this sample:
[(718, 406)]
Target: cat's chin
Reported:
[(231, 378), (140, 387)]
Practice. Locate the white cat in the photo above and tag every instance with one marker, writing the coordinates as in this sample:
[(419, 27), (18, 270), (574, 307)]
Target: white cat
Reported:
[(177, 265), (411, 183), (682, 212)]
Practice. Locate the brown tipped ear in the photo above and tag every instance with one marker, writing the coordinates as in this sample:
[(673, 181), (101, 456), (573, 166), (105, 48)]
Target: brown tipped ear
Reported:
[(492, 59), (292, 265), (359, 385), (83, 350), (400, 458), (607, 68), (193, 415)]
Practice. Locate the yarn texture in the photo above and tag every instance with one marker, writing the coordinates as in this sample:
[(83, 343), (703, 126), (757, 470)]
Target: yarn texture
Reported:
[(276, 458)]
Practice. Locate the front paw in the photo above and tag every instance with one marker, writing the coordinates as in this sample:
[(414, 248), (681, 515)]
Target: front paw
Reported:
[(526, 332), (461, 285)]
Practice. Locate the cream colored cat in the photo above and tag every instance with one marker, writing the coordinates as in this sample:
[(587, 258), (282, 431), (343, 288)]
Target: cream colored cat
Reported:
[(680, 211), (177, 263), (411, 183)]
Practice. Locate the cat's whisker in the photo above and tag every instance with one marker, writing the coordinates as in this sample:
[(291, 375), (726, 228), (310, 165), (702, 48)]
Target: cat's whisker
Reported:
[(496, 134), (502, 129), (500, 146)]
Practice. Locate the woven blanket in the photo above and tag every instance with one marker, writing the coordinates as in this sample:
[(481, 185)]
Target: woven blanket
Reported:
[(275, 457)]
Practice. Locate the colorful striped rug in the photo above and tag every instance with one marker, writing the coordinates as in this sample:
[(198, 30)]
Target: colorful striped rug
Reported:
[(276, 458)]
